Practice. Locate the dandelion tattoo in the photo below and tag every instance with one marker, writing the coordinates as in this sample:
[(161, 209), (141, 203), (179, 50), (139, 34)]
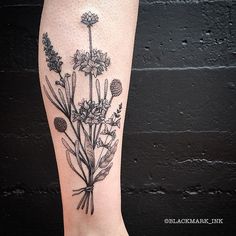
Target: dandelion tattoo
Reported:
[(93, 130)]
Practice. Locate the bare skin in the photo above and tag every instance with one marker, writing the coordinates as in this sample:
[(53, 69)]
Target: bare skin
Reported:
[(85, 95)]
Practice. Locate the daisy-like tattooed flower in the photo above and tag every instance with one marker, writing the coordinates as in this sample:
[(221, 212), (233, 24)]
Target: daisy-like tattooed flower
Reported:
[(79, 59), (92, 67), (53, 60), (89, 19), (95, 63), (101, 58), (91, 112)]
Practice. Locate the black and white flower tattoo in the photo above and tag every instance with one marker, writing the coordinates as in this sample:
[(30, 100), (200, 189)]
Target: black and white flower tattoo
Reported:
[(92, 129)]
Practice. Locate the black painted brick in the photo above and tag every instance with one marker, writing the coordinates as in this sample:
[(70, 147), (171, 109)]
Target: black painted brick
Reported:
[(182, 100), (150, 210), (31, 214), (171, 34), (197, 33)]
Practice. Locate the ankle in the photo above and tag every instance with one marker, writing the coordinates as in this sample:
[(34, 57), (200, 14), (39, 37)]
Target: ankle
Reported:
[(97, 227)]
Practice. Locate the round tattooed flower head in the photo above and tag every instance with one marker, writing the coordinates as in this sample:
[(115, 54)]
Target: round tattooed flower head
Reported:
[(60, 124), (89, 18), (116, 87)]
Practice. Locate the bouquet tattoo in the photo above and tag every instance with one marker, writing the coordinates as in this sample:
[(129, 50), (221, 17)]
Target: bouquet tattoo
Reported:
[(92, 129)]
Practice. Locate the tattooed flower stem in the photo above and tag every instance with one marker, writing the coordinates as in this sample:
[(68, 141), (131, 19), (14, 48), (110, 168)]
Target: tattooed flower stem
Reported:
[(90, 39), (73, 104), (90, 74), (90, 77), (100, 126), (69, 138), (100, 156), (60, 75), (78, 137), (92, 203), (81, 156), (73, 168), (94, 135), (82, 169)]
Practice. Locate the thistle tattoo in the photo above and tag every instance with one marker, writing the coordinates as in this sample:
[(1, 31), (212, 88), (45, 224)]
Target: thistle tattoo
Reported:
[(92, 129)]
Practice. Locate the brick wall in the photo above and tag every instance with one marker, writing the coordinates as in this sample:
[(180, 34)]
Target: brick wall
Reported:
[(179, 144)]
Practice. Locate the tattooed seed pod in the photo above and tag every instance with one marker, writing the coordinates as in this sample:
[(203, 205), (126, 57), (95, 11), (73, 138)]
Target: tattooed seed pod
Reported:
[(116, 88), (60, 124)]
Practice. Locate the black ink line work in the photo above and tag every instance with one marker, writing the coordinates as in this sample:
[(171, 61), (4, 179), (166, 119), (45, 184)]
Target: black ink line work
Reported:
[(92, 129)]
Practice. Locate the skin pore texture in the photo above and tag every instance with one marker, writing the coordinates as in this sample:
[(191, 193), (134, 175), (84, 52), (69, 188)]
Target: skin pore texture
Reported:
[(85, 56)]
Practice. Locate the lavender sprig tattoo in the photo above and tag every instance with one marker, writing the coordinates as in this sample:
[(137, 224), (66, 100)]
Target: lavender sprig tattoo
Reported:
[(92, 129)]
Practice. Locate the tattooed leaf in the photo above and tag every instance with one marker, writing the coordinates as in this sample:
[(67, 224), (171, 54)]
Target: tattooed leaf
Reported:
[(114, 147), (52, 91), (51, 100), (73, 84), (89, 150), (108, 157), (79, 158), (67, 90), (72, 166), (98, 89), (105, 88), (77, 153), (102, 174), (67, 146), (62, 99), (117, 115)]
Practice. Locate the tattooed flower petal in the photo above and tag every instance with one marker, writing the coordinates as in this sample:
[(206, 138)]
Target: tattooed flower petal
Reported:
[(89, 18), (95, 63), (91, 112), (79, 59)]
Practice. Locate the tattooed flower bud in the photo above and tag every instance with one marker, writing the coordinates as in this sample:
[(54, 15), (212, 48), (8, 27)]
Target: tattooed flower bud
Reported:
[(60, 124), (116, 87), (89, 18), (53, 60)]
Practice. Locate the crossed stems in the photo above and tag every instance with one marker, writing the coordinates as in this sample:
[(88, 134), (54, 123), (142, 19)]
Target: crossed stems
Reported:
[(67, 106), (80, 154)]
